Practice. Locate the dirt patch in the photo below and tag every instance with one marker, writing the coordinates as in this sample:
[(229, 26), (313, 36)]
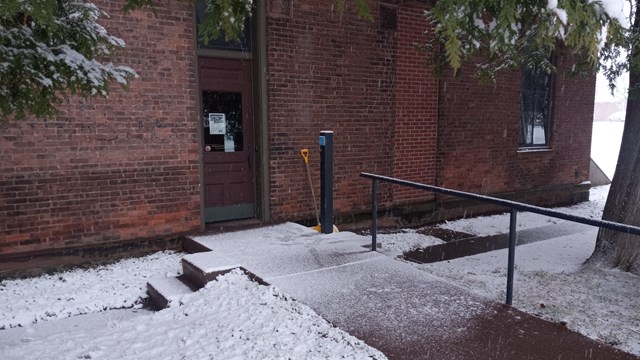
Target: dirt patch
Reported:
[(444, 234), (476, 245)]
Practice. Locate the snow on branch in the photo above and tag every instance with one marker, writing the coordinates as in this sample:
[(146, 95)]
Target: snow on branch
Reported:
[(515, 33), (50, 49)]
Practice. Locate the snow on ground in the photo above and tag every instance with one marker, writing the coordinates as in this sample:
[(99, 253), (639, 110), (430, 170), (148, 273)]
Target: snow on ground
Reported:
[(407, 239), (499, 224), (231, 318), (81, 291), (551, 282), (550, 279), (234, 318)]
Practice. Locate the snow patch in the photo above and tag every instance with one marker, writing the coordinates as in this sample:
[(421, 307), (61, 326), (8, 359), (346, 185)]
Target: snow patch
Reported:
[(231, 318), (406, 239), (210, 262), (70, 293), (499, 224), (616, 10)]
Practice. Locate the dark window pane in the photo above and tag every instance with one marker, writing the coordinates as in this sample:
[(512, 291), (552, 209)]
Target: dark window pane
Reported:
[(244, 44), (535, 107), (222, 121), (388, 17)]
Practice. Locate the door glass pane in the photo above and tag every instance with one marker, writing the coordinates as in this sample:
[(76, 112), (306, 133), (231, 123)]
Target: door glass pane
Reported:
[(222, 121)]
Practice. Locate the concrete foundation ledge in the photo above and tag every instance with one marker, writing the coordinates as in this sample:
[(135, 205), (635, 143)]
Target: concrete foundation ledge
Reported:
[(450, 208), (33, 263)]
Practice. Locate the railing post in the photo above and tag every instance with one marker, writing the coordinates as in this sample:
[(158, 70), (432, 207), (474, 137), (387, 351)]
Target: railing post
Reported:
[(512, 205), (512, 254), (374, 214)]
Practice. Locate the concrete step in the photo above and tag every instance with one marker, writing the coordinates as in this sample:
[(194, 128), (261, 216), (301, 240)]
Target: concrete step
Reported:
[(191, 246), (203, 267), (163, 291), (198, 269)]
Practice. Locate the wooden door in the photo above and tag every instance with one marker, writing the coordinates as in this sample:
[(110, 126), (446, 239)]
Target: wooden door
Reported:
[(228, 143)]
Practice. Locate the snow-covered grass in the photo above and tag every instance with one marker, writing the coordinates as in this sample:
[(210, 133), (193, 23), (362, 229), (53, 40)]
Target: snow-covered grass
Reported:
[(552, 282), (231, 318), (498, 224), (551, 279), (81, 291), (396, 243)]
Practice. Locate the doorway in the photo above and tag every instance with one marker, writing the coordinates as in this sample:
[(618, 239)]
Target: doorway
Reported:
[(228, 142)]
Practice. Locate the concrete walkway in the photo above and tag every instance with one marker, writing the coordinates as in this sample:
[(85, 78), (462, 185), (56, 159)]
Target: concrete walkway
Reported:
[(394, 307)]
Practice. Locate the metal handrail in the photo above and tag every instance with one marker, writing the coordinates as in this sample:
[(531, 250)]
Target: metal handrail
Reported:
[(513, 206)]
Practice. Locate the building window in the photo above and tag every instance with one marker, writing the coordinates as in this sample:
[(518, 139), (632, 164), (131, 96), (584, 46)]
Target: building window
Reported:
[(241, 45), (280, 8), (388, 17), (535, 106)]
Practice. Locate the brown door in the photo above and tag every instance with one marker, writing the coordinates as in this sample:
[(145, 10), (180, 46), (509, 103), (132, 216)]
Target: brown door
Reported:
[(228, 164)]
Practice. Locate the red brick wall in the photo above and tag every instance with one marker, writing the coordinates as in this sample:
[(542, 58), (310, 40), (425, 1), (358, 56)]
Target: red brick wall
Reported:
[(391, 116), (327, 73), (478, 134), (128, 168), (115, 169), (416, 115)]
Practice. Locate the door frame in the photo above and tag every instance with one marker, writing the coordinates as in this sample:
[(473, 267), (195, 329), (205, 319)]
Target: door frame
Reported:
[(258, 56)]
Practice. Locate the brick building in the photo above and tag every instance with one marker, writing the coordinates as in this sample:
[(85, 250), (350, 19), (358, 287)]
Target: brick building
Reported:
[(211, 133)]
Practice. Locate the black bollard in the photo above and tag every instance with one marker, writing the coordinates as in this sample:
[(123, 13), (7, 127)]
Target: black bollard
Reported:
[(326, 181)]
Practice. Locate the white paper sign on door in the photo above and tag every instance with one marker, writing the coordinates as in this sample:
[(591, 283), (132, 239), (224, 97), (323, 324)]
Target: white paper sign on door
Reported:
[(217, 124)]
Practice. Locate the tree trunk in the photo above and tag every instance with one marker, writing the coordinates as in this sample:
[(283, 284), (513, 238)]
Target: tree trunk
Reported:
[(615, 248)]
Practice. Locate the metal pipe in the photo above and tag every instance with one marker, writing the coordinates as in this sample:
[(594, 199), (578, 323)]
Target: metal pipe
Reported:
[(513, 237), (326, 181), (374, 215), (513, 206), (509, 204)]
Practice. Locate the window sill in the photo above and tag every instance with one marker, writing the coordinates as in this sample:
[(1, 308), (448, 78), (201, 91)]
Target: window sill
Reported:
[(534, 149)]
